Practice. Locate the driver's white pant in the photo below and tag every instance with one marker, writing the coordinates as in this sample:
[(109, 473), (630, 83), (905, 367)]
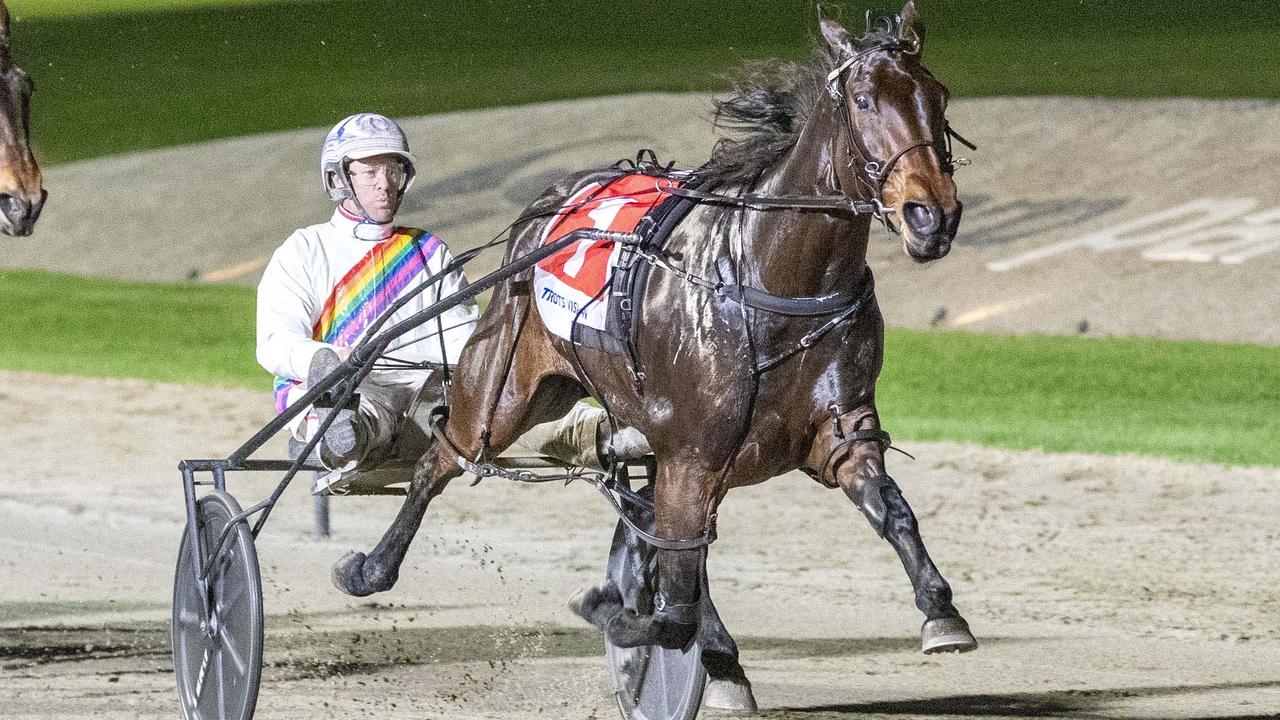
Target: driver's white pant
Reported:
[(395, 427)]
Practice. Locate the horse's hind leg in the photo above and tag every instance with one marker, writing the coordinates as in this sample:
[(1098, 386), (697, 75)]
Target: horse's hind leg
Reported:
[(503, 373), (359, 575), (861, 474)]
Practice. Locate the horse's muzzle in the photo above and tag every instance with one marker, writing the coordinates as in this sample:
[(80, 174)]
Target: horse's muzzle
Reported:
[(18, 215), (929, 230)]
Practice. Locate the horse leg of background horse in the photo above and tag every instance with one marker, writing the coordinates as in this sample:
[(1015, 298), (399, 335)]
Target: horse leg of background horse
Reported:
[(863, 478), (519, 399)]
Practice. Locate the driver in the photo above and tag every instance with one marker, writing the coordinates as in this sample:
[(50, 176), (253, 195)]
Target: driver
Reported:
[(328, 283)]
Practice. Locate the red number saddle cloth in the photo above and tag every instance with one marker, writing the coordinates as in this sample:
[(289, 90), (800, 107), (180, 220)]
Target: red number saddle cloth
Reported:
[(570, 285)]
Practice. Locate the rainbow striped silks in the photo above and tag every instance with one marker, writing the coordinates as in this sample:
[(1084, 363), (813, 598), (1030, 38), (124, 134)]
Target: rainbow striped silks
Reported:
[(365, 292)]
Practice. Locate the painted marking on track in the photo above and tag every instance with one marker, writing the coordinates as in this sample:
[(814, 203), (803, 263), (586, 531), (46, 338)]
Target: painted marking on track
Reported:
[(1224, 230), (986, 312), (234, 271)]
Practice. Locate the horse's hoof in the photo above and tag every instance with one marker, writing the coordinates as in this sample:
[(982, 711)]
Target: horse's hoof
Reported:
[(348, 575), (729, 695), (946, 635), (596, 605), (626, 629)]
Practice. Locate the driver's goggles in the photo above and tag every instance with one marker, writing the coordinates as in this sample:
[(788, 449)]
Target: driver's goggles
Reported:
[(394, 174)]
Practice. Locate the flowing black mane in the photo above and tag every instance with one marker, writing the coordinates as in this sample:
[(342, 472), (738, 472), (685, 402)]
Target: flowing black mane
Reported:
[(770, 103)]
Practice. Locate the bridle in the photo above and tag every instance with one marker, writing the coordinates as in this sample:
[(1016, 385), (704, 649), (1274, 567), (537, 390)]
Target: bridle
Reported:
[(869, 171)]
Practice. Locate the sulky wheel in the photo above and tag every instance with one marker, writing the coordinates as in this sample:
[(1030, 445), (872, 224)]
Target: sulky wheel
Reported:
[(654, 683), (650, 682), (217, 653)]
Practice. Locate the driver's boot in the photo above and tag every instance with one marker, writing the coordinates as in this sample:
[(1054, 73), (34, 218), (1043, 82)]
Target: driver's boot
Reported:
[(583, 438)]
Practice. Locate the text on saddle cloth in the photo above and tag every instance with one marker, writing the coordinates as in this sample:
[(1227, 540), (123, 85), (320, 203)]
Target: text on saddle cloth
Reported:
[(569, 285)]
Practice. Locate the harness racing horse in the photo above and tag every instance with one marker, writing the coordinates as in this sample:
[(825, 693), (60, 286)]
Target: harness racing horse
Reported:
[(770, 369), (22, 194)]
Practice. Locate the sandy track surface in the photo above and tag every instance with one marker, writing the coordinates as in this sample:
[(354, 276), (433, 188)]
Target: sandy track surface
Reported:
[(1196, 177), (1099, 587)]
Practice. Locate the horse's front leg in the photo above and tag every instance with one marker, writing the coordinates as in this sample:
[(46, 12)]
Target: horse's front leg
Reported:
[(860, 472), (684, 500), (359, 574), (631, 561)]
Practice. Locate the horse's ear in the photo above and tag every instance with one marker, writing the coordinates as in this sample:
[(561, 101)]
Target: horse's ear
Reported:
[(911, 27), (837, 37)]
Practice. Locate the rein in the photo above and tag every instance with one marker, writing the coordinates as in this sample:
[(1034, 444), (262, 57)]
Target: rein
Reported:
[(842, 302), (876, 171), (832, 203)]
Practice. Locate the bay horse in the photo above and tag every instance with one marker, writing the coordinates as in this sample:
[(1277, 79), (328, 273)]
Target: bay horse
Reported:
[(732, 392), (22, 193)]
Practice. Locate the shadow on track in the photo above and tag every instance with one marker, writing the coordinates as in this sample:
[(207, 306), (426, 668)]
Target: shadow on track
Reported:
[(1096, 703)]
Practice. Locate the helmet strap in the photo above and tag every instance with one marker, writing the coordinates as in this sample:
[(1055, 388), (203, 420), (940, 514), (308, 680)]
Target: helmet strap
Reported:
[(366, 228)]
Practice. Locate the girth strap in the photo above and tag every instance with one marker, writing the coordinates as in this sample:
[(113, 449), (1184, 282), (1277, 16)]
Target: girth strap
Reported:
[(814, 306)]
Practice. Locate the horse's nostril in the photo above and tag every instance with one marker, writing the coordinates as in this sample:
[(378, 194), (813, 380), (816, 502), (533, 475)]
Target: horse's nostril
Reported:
[(922, 218), (18, 212), (12, 208)]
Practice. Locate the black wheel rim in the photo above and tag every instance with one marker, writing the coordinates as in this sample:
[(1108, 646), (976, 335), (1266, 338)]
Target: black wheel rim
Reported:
[(217, 661)]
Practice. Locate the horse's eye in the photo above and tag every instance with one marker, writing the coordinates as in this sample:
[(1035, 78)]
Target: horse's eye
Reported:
[(862, 102)]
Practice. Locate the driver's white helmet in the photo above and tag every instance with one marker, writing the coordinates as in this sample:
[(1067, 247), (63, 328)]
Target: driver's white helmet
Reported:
[(360, 136)]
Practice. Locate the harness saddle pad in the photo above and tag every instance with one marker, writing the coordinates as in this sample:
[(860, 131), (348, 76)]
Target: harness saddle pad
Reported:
[(570, 286)]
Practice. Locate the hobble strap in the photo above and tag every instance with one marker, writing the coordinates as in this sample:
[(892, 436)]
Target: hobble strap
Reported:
[(679, 613), (849, 438), (857, 436)]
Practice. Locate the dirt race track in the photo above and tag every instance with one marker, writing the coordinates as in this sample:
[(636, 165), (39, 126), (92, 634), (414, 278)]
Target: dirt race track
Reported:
[(1098, 587)]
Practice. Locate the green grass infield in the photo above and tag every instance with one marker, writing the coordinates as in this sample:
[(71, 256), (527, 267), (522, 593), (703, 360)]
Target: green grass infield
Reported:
[(125, 75), (1183, 400)]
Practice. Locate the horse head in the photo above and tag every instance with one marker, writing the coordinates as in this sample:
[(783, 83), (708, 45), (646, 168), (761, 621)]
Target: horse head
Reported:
[(895, 133), (22, 192)]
